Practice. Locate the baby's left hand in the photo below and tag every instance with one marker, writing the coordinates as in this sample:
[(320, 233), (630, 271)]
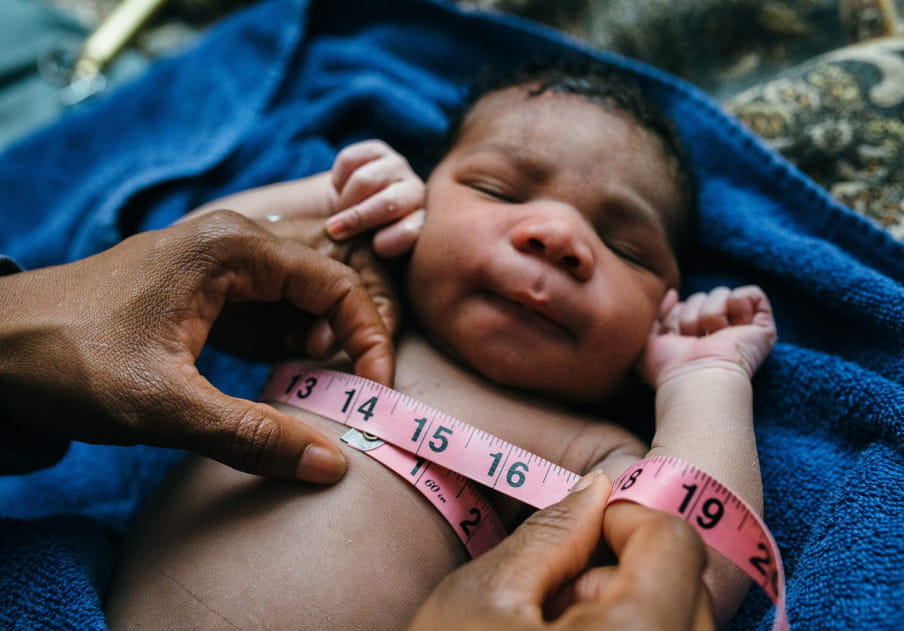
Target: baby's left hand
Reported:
[(376, 189), (725, 328)]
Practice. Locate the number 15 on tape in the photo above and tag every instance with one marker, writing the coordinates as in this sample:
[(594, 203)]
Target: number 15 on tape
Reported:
[(724, 521), (424, 431)]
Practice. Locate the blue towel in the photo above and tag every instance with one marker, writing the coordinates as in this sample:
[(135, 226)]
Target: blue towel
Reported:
[(275, 91)]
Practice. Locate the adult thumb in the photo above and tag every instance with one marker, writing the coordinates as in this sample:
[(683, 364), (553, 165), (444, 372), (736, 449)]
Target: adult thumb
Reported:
[(257, 438), (553, 545)]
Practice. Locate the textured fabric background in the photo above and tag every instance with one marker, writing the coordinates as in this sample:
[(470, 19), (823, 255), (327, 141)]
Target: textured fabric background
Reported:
[(273, 93), (822, 81)]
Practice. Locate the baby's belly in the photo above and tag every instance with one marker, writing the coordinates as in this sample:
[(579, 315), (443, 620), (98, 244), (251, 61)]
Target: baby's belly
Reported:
[(216, 548)]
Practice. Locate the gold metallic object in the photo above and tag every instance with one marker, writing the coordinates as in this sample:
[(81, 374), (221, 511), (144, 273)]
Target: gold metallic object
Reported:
[(112, 35)]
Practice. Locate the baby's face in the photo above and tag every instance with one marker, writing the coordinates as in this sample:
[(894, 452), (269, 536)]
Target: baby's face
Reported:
[(544, 257)]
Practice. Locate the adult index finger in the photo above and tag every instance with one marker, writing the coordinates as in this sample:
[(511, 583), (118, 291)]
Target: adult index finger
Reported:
[(550, 547), (318, 285), (237, 261), (343, 299)]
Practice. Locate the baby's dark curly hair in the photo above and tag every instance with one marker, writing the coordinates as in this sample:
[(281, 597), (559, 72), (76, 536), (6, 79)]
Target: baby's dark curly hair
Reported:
[(600, 83)]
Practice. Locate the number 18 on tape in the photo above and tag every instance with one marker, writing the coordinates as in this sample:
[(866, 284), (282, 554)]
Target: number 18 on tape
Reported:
[(724, 521)]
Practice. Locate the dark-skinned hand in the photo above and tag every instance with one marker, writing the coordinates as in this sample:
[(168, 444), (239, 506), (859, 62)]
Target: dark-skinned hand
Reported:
[(103, 349)]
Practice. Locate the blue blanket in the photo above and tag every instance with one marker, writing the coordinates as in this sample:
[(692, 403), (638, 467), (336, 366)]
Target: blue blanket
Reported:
[(275, 91)]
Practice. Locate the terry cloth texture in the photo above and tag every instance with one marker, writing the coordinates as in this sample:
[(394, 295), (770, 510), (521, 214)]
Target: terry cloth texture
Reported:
[(277, 90)]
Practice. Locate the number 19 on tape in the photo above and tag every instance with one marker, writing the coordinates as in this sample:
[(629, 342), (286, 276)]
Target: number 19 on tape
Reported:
[(724, 521)]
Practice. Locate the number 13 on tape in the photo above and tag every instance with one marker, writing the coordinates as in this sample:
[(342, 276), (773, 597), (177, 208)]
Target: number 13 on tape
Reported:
[(724, 521)]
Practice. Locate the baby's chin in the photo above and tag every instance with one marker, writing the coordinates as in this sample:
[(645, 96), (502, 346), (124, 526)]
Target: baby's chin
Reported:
[(516, 370)]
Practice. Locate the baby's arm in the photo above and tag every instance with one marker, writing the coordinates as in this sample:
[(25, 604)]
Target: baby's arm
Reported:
[(700, 358), (370, 187)]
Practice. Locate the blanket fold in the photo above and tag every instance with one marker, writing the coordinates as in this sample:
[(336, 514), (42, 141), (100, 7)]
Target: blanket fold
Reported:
[(275, 91)]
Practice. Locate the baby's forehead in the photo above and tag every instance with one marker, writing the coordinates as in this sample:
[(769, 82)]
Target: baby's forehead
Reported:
[(547, 124), (514, 115), (521, 102)]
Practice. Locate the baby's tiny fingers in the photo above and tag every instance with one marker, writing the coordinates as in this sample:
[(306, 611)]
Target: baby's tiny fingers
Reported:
[(713, 314), (354, 156), (750, 305), (741, 306), (399, 237), (689, 322), (393, 202), (373, 177), (671, 321)]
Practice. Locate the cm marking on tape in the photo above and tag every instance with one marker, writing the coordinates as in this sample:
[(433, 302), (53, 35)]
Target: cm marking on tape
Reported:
[(724, 521)]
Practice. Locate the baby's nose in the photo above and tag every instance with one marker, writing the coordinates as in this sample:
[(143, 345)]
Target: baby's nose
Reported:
[(557, 240)]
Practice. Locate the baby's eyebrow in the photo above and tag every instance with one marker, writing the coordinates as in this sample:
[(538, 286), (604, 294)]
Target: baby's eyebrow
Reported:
[(627, 206), (534, 165)]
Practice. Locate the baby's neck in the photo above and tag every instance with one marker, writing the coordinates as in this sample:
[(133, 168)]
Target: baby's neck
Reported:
[(536, 424)]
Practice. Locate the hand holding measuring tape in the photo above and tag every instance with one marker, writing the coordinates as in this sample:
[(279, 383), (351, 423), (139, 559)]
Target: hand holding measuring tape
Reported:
[(538, 577), (723, 520)]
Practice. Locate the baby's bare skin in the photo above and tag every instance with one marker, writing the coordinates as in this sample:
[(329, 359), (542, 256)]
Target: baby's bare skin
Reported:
[(217, 548), (566, 288)]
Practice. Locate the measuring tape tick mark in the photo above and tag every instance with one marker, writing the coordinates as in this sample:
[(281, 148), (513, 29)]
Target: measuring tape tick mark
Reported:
[(415, 438)]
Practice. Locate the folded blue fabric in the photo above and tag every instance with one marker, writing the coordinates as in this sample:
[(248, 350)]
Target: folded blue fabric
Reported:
[(275, 91)]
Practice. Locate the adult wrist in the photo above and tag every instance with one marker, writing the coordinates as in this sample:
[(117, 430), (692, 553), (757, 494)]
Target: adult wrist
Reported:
[(22, 450)]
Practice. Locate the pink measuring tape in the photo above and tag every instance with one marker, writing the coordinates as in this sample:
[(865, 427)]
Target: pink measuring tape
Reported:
[(414, 439)]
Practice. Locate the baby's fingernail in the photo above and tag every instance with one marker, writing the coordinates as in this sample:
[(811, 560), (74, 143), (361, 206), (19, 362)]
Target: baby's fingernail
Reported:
[(399, 238), (321, 465), (415, 221), (336, 227)]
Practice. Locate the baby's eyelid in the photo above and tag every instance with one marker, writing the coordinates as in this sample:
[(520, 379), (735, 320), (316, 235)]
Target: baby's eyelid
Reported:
[(629, 254), (496, 192)]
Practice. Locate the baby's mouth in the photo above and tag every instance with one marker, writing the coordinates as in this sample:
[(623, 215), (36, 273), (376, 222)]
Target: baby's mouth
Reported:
[(532, 310)]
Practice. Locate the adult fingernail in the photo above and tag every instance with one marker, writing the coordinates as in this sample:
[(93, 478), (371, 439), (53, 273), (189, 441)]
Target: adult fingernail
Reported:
[(336, 227), (587, 480), (321, 465)]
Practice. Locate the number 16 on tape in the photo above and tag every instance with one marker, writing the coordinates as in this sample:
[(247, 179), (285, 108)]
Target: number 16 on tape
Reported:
[(723, 520)]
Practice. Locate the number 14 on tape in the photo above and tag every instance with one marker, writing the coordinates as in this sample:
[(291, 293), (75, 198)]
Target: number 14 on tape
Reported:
[(424, 431), (724, 521)]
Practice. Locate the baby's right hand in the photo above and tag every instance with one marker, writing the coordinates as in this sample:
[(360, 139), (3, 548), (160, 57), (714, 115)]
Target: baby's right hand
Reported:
[(377, 189)]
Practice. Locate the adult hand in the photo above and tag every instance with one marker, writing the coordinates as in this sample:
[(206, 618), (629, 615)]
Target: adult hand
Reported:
[(538, 578), (370, 189), (103, 350)]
